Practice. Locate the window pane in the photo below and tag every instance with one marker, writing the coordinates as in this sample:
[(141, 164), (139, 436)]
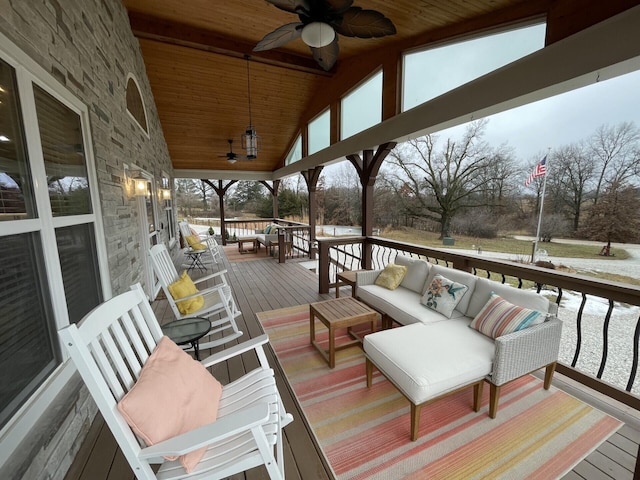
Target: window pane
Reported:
[(150, 207), (430, 73), (319, 132), (295, 153), (79, 264), (28, 352), (63, 151), (16, 189), (362, 108)]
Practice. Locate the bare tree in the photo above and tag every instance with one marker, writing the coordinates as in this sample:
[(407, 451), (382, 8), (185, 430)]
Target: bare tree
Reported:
[(616, 151), (574, 174), (444, 181), (615, 218)]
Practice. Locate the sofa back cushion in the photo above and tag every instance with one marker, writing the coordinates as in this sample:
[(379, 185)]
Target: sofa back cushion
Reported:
[(524, 298), (417, 271), (457, 276)]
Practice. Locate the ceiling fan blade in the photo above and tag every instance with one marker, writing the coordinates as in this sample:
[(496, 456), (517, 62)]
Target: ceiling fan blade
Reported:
[(327, 56), (360, 23), (339, 6), (293, 6), (279, 36)]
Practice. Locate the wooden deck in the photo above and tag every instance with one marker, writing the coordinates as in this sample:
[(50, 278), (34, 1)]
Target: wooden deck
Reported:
[(265, 284)]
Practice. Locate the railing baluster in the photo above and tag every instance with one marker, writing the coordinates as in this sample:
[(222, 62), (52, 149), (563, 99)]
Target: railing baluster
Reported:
[(605, 339), (579, 330), (634, 362)]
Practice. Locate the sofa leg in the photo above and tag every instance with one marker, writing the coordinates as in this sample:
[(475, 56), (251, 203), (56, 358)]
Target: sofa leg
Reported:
[(477, 395), (415, 421), (369, 369), (548, 375), (494, 396)]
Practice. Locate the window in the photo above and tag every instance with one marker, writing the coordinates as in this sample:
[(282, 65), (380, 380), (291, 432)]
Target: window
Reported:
[(165, 189), (430, 73), (295, 153), (362, 108), (319, 132), (49, 229), (135, 105)]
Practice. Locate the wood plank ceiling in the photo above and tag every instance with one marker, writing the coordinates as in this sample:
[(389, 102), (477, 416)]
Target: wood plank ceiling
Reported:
[(195, 58)]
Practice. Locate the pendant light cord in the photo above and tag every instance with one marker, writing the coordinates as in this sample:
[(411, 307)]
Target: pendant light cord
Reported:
[(249, 90)]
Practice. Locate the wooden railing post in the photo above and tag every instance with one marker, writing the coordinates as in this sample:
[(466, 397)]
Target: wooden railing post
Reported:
[(323, 267)]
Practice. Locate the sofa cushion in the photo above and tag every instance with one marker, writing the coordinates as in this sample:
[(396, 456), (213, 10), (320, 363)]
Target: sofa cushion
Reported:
[(457, 276), (417, 271), (443, 295), (391, 276), (524, 298), (426, 361), (401, 304), (499, 317)]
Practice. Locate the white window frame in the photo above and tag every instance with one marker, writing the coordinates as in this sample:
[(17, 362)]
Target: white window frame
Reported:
[(28, 72)]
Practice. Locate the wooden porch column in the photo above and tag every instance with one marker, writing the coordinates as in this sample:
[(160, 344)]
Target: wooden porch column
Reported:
[(221, 190), (367, 168), (311, 176), (274, 193)]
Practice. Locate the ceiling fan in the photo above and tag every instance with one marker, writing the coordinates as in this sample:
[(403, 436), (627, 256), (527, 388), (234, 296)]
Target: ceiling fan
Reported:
[(234, 157), (320, 22)]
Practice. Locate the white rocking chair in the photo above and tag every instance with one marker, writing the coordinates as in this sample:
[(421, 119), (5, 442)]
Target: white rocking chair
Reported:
[(109, 348), (218, 299), (207, 241)]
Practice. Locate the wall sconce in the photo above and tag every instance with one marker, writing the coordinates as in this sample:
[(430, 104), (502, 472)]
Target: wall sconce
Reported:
[(166, 193), (135, 180), (140, 186)]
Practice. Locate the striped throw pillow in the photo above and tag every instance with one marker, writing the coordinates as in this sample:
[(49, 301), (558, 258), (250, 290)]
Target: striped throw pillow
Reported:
[(499, 317)]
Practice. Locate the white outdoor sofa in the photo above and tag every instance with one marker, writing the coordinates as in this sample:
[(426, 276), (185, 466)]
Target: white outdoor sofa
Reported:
[(430, 355)]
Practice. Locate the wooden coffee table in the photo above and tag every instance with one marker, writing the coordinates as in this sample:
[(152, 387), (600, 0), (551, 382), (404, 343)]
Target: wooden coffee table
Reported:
[(337, 313), (251, 240)]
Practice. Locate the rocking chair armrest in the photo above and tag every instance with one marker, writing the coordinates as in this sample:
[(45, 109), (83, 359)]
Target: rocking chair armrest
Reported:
[(213, 275), (222, 428), (255, 343), (201, 292)]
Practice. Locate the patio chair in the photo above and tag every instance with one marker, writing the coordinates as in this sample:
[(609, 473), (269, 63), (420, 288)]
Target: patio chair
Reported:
[(189, 234), (214, 249), (216, 300), (118, 349)]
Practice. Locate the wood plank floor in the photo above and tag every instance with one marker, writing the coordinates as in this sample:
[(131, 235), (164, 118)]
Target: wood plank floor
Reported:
[(264, 284)]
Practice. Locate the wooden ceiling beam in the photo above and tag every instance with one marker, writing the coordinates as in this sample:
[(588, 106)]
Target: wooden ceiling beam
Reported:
[(175, 33)]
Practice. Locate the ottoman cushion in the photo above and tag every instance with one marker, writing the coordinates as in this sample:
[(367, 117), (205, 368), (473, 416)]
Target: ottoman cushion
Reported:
[(427, 361)]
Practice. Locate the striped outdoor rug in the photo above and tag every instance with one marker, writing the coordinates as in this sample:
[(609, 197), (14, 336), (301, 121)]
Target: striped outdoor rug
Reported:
[(364, 433)]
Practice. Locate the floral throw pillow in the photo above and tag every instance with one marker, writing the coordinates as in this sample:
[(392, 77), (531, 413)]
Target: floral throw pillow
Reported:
[(391, 276), (443, 295)]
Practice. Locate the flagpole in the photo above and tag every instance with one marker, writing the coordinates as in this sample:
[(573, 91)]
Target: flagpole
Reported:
[(544, 188)]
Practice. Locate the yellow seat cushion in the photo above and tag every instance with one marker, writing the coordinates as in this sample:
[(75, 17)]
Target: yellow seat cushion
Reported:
[(183, 287), (195, 243), (391, 276)]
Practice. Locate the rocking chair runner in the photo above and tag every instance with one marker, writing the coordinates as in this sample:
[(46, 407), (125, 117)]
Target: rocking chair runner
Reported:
[(218, 300), (110, 347)]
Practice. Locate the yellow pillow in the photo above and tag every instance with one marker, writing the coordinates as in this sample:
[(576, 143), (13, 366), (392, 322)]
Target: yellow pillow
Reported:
[(183, 287), (194, 242), (391, 276)]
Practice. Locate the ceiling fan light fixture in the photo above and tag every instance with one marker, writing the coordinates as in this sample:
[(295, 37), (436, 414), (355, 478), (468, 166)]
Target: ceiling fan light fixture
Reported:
[(318, 34)]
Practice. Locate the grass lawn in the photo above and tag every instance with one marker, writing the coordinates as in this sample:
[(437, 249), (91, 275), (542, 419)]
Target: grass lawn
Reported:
[(521, 249)]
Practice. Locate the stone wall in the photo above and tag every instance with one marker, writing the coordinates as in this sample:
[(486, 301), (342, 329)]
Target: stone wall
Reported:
[(87, 45)]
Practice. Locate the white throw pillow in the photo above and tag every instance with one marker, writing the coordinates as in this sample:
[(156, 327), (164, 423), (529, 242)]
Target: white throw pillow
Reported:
[(443, 295)]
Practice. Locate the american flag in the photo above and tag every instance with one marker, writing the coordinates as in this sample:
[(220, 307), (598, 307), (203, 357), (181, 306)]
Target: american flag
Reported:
[(539, 171)]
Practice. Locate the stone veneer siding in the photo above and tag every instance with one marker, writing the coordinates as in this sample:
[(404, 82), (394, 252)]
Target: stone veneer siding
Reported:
[(88, 46)]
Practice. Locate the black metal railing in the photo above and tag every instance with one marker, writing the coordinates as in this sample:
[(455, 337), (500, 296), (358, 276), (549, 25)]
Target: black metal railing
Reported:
[(599, 349)]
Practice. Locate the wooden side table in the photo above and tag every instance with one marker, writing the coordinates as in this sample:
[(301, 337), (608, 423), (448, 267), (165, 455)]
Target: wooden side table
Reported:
[(346, 277), (337, 313), (252, 240)]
